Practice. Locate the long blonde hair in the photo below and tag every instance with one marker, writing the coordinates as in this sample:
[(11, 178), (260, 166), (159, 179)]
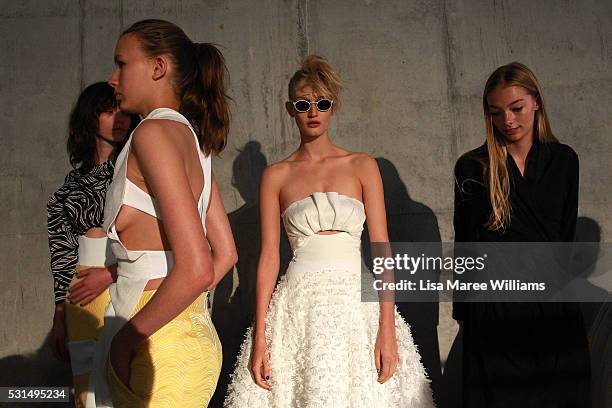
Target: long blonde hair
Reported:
[(496, 170)]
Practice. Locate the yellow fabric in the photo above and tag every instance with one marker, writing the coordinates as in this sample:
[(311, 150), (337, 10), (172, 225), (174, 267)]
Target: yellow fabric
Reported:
[(178, 366), (84, 323)]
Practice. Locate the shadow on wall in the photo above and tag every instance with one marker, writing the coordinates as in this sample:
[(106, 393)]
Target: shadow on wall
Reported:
[(38, 369), (597, 318), (411, 221), (233, 307)]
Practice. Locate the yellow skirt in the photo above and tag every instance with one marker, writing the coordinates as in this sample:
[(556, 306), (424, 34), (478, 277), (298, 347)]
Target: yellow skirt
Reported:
[(84, 323), (178, 366)]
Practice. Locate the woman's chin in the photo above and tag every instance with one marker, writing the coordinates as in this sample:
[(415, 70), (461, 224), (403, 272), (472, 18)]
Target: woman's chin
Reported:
[(119, 136), (312, 133), (512, 138), (125, 107)]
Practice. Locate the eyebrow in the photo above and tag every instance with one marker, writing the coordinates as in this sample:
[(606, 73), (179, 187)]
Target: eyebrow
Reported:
[(311, 96), (511, 103)]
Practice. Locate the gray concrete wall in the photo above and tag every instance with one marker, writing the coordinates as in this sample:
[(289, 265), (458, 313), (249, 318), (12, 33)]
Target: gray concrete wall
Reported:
[(414, 72)]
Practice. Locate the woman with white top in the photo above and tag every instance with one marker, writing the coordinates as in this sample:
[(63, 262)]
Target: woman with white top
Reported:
[(314, 342), (163, 210)]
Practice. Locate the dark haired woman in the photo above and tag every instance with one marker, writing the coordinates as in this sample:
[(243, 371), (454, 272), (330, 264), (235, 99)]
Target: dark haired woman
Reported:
[(314, 342), (520, 186), (162, 210), (81, 262)]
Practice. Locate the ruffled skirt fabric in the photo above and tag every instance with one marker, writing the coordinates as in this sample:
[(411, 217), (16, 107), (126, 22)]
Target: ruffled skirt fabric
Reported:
[(321, 340)]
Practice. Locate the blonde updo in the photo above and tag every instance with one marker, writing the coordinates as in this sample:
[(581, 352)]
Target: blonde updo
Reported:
[(316, 72)]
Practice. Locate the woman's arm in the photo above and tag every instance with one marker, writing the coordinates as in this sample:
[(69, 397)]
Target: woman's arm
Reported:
[(386, 354), (63, 248), (267, 270), (219, 235), (93, 281), (63, 242), (160, 148), (469, 189), (570, 208), (269, 257), (468, 215)]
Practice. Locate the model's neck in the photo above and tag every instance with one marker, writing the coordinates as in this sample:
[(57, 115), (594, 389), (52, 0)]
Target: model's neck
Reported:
[(104, 149), (318, 148), (162, 99), (520, 149)]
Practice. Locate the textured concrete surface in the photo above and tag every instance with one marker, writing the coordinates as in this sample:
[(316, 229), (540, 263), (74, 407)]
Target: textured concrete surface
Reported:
[(414, 74)]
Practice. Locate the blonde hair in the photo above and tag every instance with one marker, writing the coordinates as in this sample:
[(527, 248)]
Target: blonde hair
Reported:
[(496, 171), (316, 72)]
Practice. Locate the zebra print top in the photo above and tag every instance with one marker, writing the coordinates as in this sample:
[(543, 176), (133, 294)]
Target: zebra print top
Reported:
[(76, 207)]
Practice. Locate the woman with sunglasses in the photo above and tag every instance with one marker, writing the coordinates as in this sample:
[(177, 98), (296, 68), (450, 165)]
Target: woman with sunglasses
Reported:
[(520, 186), (314, 342), (81, 262), (163, 209)]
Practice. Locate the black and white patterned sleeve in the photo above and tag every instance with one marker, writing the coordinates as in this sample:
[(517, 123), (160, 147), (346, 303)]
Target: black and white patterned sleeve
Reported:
[(63, 242)]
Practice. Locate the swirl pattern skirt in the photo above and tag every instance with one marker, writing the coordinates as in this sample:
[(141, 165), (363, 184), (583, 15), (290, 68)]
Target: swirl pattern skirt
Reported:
[(178, 366)]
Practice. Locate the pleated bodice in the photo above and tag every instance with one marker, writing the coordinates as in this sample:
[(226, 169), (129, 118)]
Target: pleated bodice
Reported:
[(322, 211)]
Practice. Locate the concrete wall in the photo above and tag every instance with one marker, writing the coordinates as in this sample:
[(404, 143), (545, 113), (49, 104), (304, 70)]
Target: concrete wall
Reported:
[(414, 72)]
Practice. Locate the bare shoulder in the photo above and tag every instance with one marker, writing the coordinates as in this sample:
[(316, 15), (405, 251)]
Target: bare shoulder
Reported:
[(159, 132), (274, 175), (362, 161), (365, 167)]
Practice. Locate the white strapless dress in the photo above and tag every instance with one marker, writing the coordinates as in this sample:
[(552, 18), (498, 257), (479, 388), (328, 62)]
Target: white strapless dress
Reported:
[(320, 334)]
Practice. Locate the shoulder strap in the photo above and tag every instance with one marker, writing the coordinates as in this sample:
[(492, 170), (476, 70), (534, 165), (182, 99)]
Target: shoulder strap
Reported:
[(207, 178), (167, 113)]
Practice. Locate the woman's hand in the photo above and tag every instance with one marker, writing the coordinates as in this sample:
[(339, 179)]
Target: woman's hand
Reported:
[(93, 282), (386, 356), (58, 333), (123, 348), (260, 362)]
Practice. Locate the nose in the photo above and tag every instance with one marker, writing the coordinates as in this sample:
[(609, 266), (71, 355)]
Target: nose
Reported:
[(508, 117), (313, 111), (114, 79)]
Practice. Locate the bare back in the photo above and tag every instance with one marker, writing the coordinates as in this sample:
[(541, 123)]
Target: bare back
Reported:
[(141, 231)]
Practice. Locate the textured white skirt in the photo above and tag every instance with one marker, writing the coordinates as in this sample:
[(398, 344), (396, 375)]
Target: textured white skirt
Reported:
[(321, 339)]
